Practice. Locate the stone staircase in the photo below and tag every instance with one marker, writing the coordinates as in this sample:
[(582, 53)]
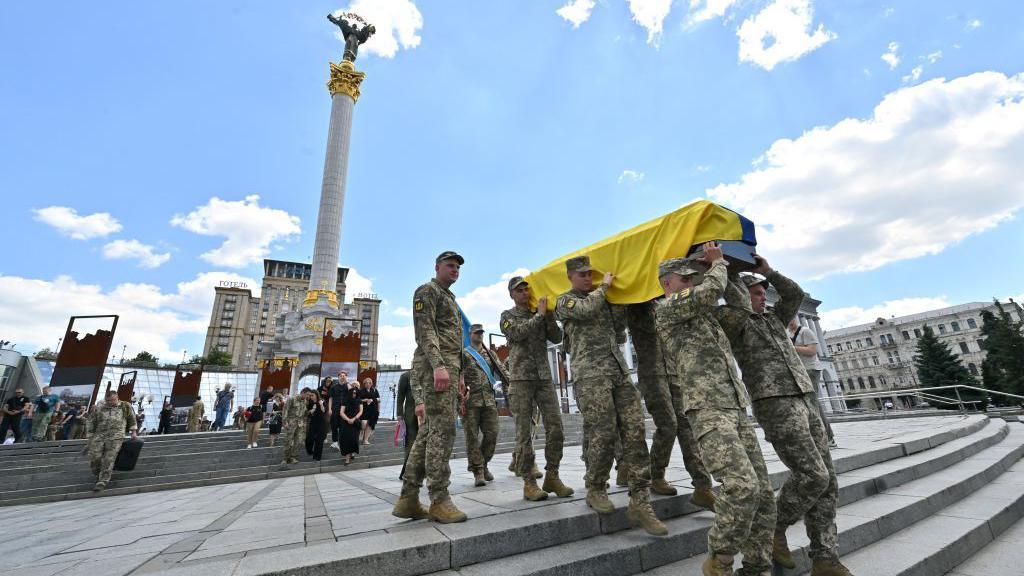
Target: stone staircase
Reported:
[(53, 471), (915, 505)]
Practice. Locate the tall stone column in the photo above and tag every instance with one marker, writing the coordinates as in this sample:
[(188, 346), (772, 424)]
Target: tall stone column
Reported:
[(344, 88)]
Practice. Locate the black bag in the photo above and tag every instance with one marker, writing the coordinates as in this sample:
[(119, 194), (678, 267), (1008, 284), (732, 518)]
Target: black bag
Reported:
[(128, 455)]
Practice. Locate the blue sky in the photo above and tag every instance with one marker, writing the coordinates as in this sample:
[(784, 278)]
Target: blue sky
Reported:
[(137, 136)]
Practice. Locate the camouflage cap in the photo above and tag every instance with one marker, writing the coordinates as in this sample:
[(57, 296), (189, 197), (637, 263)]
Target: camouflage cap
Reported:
[(578, 264), (681, 266), (515, 282), (476, 328), (753, 280), (450, 255)]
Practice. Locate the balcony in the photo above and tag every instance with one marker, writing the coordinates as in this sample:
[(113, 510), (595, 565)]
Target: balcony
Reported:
[(898, 365)]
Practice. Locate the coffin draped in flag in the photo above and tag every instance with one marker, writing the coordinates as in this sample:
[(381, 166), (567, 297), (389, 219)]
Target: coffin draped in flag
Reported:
[(633, 255)]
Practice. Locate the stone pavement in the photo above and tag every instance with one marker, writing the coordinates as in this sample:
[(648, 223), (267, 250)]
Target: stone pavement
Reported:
[(210, 529)]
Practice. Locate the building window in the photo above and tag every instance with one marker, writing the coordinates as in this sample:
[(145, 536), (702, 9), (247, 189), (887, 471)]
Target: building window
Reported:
[(849, 383), (871, 381), (859, 344), (848, 347), (829, 348), (942, 328), (860, 381), (889, 357), (955, 326), (906, 335), (874, 360), (971, 323), (881, 380), (973, 369), (981, 344), (846, 366), (963, 348), (867, 342), (917, 333)]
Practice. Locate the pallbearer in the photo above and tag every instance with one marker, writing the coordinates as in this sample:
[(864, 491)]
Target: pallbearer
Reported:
[(480, 415)]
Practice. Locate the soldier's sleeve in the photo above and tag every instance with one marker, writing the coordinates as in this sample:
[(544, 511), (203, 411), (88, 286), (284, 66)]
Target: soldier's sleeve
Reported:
[(619, 322), (574, 308), (551, 329), (518, 329), (129, 416), (790, 296), (424, 321), (733, 316), (706, 294), (415, 388)]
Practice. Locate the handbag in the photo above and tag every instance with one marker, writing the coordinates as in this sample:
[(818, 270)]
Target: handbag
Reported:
[(400, 433)]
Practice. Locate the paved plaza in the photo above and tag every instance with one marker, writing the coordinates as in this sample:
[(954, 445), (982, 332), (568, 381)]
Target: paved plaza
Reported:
[(234, 528)]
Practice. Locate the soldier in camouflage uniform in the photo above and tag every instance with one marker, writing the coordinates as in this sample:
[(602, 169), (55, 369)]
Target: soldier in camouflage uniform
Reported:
[(660, 387), (294, 419), (714, 400), (195, 415), (480, 420), (786, 407), (437, 368), (106, 426), (528, 333), (607, 398)]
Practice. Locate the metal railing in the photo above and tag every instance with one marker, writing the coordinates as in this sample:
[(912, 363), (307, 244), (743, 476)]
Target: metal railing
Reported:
[(927, 395)]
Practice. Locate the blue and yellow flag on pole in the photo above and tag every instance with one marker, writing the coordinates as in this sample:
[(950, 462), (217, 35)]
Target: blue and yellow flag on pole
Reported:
[(633, 256)]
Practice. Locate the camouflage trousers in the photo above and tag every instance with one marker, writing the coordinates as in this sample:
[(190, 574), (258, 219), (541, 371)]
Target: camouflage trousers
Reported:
[(429, 456), (294, 440), (664, 401), (793, 426), (481, 428), (102, 453), (611, 410), (539, 393), (745, 507)]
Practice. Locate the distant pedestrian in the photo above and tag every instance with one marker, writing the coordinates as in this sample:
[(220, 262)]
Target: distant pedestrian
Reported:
[(806, 346), (67, 423), (239, 418), (106, 427), (45, 405), (222, 405), (335, 400), (26, 422), (14, 410), (370, 398), (406, 411), (316, 428), (165, 418), (253, 421), (351, 416), (195, 416), (275, 420), (266, 398)]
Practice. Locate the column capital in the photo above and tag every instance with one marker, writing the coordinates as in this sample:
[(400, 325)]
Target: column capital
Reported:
[(345, 79)]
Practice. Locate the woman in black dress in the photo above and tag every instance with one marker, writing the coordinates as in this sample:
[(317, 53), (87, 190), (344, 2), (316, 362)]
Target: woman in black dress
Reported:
[(165, 418), (274, 421), (351, 414), (371, 409), (316, 430)]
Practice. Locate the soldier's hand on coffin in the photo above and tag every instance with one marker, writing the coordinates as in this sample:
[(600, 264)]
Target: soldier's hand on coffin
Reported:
[(608, 277), (762, 266), (542, 305), (712, 253), (441, 379)]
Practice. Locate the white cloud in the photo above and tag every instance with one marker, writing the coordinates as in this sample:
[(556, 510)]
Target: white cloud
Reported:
[(133, 249), (934, 57), (651, 15), (356, 284), (402, 311), (888, 12), (975, 24), (576, 11), (484, 304), (914, 75), (395, 343), (69, 223), (36, 312), (397, 24), (703, 10), (703, 167), (248, 227), (890, 57), (856, 315), (781, 32), (630, 177), (934, 164)]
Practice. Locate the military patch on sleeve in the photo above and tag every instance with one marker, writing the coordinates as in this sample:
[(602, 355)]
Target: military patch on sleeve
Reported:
[(571, 303), (505, 325), (684, 294), (417, 305)]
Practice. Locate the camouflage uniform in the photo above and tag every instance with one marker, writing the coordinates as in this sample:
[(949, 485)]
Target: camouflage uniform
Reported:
[(594, 330), (660, 387), (528, 334), (438, 327), (714, 400), (786, 408), (195, 416), (481, 417), (294, 418), (106, 427)]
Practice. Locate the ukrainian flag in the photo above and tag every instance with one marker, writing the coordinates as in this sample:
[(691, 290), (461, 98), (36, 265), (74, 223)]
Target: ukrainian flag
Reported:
[(633, 256)]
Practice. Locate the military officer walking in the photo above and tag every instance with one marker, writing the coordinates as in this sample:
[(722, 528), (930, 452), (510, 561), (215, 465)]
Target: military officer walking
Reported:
[(607, 398), (195, 415), (106, 426), (294, 419), (660, 387), (437, 368), (528, 333), (480, 416), (786, 407), (714, 399)]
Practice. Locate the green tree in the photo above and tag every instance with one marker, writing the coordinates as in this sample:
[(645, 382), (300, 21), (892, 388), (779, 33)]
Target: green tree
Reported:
[(218, 358), (143, 358), (1003, 368), (46, 354), (937, 365), (196, 359)]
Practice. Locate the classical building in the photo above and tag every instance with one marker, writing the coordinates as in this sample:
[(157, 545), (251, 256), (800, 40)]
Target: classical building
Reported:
[(879, 356), (245, 326)]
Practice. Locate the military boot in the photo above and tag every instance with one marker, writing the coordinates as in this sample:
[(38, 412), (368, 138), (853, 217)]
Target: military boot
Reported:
[(662, 488), (478, 478), (717, 565), (597, 498), (640, 513), (445, 512), (704, 498), (531, 492), (553, 484), (622, 476), (780, 551), (829, 567), (487, 475), (409, 507), (99, 487), (536, 472)]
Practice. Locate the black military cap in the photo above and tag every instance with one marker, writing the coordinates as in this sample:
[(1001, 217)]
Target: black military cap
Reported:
[(450, 255), (515, 282)]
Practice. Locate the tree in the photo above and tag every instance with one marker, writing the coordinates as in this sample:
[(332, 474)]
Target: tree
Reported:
[(46, 354), (218, 358), (1003, 368), (144, 358), (196, 359), (937, 365)]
